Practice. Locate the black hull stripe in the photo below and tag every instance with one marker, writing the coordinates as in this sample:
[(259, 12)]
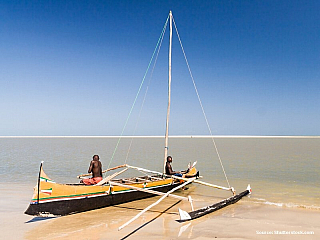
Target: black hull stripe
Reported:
[(65, 207)]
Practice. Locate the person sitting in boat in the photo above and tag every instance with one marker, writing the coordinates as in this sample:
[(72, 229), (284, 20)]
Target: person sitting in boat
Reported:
[(169, 170), (96, 169), (184, 173)]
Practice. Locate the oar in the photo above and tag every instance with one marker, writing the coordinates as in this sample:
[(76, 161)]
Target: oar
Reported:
[(194, 163), (148, 191), (107, 170), (107, 179), (157, 202)]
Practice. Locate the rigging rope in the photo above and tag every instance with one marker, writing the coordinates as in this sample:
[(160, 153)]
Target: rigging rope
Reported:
[(145, 94), (134, 102), (204, 114)]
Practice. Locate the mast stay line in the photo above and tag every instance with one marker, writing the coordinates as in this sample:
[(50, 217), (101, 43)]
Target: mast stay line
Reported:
[(136, 97), (200, 102), (171, 21)]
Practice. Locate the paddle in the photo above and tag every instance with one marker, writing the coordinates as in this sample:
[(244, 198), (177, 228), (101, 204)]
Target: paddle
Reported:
[(109, 169)]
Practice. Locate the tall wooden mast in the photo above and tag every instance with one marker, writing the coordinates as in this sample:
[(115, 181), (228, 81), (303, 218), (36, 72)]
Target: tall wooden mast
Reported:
[(169, 97)]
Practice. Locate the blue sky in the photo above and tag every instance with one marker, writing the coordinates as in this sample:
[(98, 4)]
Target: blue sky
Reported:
[(74, 67)]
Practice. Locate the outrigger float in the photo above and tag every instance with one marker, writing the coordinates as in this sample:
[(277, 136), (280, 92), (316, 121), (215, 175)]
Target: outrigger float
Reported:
[(187, 216), (51, 198)]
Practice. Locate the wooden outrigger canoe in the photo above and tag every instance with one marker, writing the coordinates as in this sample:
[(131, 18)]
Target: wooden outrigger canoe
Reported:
[(51, 198)]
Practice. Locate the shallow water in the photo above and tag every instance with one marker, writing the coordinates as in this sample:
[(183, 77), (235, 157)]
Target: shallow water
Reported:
[(282, 171)]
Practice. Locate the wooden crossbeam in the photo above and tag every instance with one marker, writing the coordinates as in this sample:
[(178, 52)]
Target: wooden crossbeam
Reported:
[(157, 202)]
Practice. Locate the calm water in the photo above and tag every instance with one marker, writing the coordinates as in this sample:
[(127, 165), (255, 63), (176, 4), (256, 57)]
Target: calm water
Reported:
[(282, 171)]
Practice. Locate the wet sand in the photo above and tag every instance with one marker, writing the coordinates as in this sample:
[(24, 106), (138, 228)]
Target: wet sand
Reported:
[(244, 220)]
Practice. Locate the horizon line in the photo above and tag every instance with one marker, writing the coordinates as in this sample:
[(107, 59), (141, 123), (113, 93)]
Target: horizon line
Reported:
[(173, 136)]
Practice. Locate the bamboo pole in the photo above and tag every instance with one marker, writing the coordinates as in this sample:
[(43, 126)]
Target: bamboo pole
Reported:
[(204, 183), (169, 97), (107, 179), (144, 170), (148, 191), (157, 202), (104, 171), (184, 179)]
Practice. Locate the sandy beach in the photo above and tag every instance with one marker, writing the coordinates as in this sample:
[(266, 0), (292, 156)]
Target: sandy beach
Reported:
[(284, 203), (244, 220)]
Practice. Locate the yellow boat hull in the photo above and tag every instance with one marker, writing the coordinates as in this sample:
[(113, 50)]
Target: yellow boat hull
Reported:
[(50, 198)]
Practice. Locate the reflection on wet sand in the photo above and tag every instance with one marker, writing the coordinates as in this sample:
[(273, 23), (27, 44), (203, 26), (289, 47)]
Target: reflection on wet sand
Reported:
[(104, 223), (158, 222), (240, 220)]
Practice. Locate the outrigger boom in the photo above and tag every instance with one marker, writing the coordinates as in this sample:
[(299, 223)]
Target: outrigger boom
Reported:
[(185, 179), (157, 202), (208, 184), (172, 176)]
